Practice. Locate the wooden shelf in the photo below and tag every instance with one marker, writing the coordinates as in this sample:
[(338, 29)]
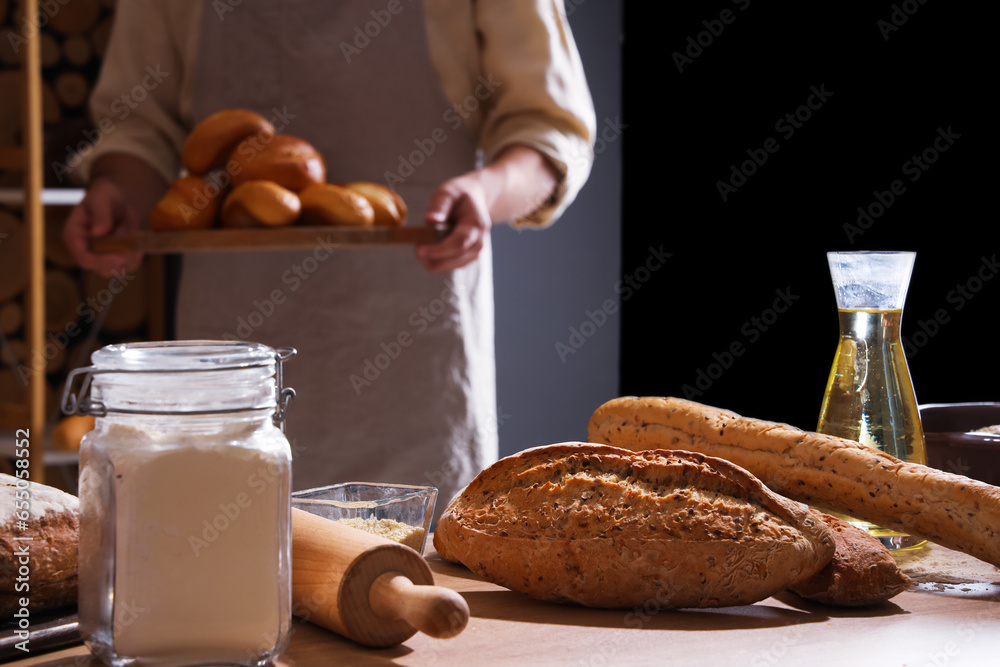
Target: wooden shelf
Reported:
[(285, 238), (50, 196)]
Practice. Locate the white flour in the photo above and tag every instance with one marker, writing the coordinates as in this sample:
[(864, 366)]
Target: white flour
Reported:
[(196, 562)]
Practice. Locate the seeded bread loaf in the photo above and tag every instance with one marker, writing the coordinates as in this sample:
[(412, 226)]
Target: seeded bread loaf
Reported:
[(605, 527), (840, 475), (861, 573), (40, 568)]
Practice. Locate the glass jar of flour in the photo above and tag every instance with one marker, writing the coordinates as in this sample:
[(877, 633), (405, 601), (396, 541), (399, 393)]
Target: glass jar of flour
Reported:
[(185, 547)]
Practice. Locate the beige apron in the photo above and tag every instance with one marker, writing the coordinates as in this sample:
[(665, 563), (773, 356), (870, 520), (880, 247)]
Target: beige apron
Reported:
[(395, 376)]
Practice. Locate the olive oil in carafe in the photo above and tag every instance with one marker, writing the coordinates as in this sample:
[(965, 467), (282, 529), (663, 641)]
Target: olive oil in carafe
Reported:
[(869, 398)]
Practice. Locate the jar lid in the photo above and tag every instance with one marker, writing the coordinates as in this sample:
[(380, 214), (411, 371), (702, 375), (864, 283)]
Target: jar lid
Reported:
[(181, 377), (182, 355)]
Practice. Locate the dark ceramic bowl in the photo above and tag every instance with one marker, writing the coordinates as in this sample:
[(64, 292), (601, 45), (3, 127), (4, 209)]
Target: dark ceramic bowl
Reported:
[(953, 447)]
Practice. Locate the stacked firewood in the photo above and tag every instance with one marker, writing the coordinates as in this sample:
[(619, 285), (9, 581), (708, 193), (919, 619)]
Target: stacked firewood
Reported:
[(83, 311)]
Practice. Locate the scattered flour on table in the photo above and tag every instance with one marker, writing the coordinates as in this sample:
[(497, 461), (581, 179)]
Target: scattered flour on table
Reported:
[(941, 569)]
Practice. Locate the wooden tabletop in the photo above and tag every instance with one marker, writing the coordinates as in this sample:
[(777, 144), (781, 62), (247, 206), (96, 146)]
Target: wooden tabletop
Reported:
[(950, 617)]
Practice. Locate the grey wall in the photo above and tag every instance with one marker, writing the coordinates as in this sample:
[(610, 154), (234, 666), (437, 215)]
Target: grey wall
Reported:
[(554, 282)]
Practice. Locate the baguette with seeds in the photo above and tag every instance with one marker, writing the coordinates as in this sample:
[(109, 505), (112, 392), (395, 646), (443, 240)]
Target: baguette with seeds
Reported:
[(833, 473)]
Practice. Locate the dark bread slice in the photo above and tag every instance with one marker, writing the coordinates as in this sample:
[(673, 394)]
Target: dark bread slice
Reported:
[(862, 571)]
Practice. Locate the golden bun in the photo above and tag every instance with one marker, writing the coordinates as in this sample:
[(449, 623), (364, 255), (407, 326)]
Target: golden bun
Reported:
[(390, 211), (329, 204), (191, 202), (68, 431), (260, 203), (291, 162), (213, 139)]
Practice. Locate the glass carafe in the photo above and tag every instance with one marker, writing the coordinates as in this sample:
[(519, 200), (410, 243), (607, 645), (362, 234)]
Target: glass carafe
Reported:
[(869, 397)]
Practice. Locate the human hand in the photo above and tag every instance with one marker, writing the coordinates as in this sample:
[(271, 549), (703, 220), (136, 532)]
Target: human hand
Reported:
[(103, 211), (460, 204)]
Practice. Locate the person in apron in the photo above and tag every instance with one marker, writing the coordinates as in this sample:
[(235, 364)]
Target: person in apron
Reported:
[(395, 372)]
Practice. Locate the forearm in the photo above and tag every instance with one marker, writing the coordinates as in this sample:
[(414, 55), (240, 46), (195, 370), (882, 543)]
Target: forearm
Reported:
[(139, 183), (516, 184)]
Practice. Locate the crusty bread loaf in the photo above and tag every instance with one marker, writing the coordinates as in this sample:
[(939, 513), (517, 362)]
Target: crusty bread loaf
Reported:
[(214, 138), (52, 523), (605, 527), (190, 202), (260, 204), (839, 475), (330, 204), (861, 573), (291, 162)]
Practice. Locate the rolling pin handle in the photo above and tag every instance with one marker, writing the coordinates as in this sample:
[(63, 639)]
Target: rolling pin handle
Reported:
[(434, 610)]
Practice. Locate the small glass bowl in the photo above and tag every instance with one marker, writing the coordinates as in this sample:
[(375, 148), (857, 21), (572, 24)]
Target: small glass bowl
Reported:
[(398, 512)]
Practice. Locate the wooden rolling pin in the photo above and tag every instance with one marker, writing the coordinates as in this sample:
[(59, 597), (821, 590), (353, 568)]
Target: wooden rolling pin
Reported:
[(367, 588)]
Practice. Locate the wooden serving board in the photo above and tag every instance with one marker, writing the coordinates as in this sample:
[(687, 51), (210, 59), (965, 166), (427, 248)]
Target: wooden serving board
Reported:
[(285, 238)]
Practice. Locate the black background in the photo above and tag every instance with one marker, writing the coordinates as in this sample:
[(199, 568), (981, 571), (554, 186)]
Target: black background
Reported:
[(889, 97)]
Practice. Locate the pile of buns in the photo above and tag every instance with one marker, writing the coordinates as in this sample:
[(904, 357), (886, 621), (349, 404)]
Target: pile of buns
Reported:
[(241, 172)]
